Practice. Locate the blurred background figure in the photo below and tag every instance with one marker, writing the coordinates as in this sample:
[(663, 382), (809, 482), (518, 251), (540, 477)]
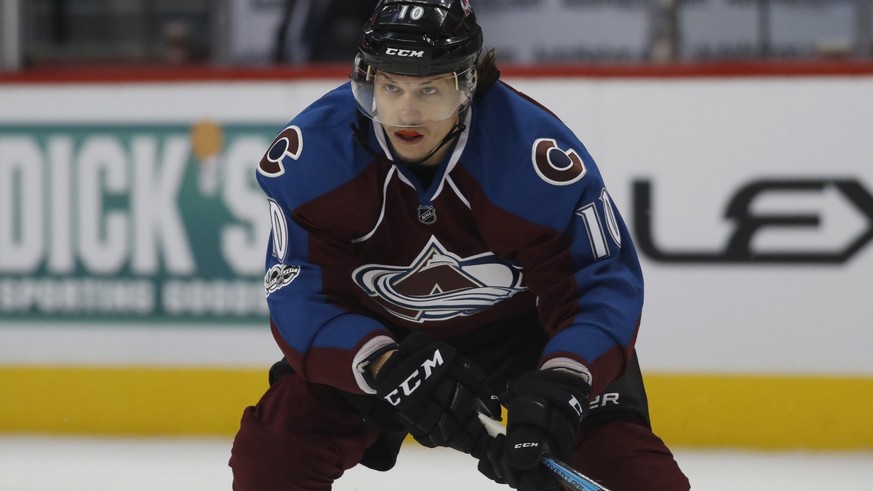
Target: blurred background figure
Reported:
[(177, 35), (120, 32), (320, 30), (664, 31)]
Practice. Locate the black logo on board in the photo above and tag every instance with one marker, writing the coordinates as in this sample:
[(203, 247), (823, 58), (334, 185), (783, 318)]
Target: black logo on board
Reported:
[(851, 195)]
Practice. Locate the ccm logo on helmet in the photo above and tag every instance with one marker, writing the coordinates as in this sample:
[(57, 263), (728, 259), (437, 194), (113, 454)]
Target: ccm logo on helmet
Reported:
[(409, 53), (414, 380)]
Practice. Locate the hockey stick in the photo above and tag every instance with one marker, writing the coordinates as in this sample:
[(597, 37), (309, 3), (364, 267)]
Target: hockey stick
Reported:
[(567, 475)]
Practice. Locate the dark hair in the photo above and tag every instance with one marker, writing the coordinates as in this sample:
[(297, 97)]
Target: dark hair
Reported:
[(487, 73)]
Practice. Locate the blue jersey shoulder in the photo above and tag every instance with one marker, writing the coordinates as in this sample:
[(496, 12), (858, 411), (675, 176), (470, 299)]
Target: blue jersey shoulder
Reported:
[(525, 156), (315, 152)]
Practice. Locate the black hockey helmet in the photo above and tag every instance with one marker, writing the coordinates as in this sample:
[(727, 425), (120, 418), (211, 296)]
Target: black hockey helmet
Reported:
[(421, 37), (418, 38)]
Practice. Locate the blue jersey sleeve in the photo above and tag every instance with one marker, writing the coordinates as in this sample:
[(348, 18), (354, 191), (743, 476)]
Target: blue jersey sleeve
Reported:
[(323, 339), (596, 320), (550, 211)]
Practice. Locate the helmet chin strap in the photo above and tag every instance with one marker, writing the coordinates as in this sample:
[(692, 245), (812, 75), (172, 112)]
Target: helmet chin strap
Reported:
[(456, 130)]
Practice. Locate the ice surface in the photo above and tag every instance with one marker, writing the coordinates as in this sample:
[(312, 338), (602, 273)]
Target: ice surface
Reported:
[(30, 463)]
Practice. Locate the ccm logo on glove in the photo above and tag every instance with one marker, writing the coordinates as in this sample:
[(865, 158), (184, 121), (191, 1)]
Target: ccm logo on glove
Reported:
[(413, 381), (527, 445)]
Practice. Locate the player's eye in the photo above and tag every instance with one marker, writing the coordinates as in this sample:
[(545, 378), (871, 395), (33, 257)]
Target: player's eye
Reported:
[(429, 90), (391, 88)]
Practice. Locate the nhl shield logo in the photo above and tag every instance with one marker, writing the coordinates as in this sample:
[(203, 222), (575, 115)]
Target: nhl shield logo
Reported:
[(426, 214)]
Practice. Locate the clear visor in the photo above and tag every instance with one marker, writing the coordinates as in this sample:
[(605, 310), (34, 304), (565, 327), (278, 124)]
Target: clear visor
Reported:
[(410, 101)]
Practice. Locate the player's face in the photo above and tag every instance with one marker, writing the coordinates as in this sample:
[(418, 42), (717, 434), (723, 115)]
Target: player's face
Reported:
[(417, 112)]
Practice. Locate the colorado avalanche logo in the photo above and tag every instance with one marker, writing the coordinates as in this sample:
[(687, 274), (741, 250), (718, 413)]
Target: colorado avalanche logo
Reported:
[(439, 285), (555, 165)]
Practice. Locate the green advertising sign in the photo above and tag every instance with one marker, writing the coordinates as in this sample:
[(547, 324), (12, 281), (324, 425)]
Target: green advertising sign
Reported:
[(132, 222)]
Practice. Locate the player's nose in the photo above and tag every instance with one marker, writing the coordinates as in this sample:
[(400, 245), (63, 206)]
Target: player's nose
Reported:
[(409, 110)]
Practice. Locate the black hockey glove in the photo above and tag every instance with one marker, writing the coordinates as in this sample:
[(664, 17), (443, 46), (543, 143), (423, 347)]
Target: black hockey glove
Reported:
[(437, 395), (545, 410)]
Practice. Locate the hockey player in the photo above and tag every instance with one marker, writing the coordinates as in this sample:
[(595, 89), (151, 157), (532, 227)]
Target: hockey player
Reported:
[(441, 246)]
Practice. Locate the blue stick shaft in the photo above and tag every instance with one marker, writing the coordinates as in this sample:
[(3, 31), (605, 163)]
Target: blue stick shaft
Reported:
[(569, 476)]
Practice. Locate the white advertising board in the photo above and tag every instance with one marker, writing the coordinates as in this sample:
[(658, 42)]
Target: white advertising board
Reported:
[(750, 199)]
